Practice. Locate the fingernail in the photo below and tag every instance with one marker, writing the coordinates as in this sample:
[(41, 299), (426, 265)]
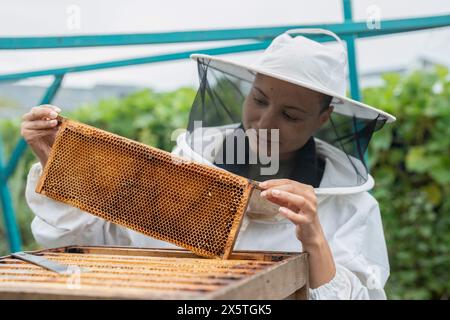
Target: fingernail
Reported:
[(276, 192), (264, 194), (282, 210), (58, 109), (53, 121), (263, 184), (53, 114)]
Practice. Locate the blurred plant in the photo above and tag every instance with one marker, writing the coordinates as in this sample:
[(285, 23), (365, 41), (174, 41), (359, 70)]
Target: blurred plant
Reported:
[(145, 116), (410, 161)]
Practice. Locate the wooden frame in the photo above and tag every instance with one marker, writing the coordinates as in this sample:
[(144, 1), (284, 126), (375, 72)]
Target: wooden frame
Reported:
[(189, 204), (126, 273)]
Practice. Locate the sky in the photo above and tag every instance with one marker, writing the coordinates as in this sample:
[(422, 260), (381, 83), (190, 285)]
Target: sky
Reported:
[(47, 17)]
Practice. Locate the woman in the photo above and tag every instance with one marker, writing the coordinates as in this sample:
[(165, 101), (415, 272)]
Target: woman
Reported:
[(315, 201)]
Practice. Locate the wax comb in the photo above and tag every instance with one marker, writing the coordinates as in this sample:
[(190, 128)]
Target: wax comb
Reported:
[(192, 205)]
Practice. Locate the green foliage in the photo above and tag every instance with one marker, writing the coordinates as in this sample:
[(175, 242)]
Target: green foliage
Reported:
[(410, 160), (9, 133), (145, 116)]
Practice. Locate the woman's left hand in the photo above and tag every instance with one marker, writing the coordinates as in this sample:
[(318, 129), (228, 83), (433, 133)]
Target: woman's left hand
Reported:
[(298, 203)]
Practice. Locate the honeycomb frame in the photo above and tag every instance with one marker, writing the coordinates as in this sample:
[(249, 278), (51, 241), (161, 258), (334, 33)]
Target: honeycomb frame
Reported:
[(148, 190)]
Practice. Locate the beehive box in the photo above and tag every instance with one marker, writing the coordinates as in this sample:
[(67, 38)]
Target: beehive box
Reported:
[(192, 205), (136, 273)]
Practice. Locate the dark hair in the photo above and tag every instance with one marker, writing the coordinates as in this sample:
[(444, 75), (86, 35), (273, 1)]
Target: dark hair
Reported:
[(325, 104)]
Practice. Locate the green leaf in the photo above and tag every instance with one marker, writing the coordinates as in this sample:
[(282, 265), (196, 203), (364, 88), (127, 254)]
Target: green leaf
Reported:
[(433, 193)]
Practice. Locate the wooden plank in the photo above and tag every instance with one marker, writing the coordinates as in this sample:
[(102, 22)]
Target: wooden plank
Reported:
[(179, 253), (279, 282), (88, 293)]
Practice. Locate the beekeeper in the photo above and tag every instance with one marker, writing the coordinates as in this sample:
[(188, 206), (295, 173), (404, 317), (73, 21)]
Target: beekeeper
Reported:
[(317, 197)]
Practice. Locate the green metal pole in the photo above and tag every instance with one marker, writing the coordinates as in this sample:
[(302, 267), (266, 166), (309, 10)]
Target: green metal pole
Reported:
[(353, 72), (355, 92), (22, 145), (12, 228), (136, 61), (358, 29)]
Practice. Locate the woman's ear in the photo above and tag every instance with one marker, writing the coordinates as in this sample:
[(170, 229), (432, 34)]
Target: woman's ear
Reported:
[(325, 116)]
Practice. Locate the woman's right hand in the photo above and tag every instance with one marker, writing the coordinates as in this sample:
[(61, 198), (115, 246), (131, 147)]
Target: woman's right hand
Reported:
[(39, 128)]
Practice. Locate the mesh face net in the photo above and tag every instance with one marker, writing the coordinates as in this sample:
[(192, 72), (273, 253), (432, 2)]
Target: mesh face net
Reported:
[(192, 205), (220, 104)]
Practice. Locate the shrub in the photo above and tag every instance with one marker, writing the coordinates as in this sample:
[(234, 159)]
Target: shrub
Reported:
[(410, 161)]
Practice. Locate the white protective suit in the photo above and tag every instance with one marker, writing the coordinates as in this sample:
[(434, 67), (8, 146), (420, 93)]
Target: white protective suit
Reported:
[(350, 218)]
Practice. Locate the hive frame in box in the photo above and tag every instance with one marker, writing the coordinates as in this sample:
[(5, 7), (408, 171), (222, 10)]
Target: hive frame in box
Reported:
[(192, 205), (247, 275)]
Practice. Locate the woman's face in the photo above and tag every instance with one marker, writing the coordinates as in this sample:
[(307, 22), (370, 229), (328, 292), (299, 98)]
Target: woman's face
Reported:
[(294, 110)]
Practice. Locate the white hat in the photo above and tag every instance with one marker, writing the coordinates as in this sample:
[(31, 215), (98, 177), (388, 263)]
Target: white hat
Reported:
[(306, 63)]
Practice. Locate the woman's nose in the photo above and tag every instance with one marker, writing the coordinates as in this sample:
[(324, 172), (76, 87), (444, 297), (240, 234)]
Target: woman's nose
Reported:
[(267, 120)]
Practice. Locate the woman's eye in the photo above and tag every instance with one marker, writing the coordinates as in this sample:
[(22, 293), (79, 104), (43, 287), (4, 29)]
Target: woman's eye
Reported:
[(259, 101), (289, 117)]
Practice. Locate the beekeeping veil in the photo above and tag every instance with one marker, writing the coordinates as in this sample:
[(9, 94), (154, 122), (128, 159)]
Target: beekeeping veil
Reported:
[(341, 142)]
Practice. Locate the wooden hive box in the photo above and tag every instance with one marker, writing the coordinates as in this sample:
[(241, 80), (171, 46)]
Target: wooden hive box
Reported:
[(137, 273)]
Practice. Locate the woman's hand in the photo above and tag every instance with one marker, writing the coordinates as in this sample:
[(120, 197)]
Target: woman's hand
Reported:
[(39, 127), (298, 203)]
